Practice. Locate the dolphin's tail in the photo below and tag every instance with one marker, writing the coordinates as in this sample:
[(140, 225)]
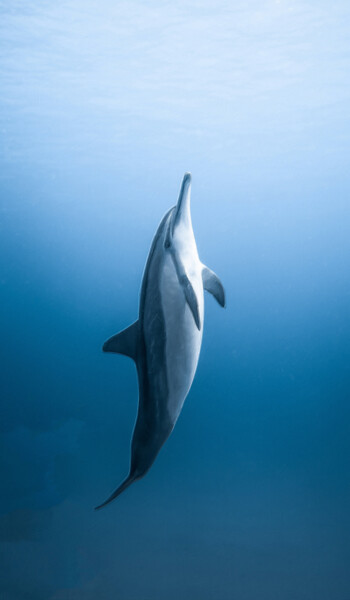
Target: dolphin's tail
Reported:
[(128, 481)]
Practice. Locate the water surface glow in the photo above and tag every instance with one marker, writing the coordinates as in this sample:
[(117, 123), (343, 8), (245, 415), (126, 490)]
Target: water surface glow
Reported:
[(103, 107)]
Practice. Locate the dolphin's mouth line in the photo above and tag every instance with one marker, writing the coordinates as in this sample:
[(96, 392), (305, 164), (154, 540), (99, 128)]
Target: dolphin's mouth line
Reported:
[(183, 199)]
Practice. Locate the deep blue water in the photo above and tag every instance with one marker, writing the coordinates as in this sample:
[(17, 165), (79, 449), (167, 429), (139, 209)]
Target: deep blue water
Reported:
[(104, 106)]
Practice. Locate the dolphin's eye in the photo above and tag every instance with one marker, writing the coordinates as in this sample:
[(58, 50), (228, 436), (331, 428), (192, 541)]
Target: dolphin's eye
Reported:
[(167, 241)]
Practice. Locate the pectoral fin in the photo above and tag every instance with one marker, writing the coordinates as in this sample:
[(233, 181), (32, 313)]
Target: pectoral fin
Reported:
[(213, 285), (191, 298), (190, 294), (124, 342)]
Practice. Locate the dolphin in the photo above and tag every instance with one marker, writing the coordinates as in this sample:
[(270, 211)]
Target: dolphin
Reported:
[(166, 339)]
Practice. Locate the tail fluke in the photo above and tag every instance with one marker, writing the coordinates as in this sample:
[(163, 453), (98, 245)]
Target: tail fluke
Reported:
[(128, 481)]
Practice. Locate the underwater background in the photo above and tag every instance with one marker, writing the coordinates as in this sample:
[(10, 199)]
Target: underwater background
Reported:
[(103, 107)]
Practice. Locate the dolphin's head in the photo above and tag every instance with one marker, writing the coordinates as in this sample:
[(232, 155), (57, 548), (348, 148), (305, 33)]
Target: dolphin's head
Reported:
[(180, 223), (182, 213)]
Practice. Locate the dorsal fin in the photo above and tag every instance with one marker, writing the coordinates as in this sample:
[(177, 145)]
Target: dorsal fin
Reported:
[(213, 285), (124, 342)]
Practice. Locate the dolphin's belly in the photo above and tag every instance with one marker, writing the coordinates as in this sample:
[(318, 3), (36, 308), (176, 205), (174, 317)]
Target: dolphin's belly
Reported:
[(183, 339)]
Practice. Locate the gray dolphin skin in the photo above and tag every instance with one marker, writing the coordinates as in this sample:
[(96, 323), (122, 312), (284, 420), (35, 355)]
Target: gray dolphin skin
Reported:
[(166, 339)]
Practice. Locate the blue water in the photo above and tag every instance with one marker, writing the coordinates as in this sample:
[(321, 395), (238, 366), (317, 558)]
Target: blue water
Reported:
[(103, 107)]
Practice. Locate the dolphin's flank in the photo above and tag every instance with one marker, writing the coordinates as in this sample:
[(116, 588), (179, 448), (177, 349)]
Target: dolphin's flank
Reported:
[(166, 339)]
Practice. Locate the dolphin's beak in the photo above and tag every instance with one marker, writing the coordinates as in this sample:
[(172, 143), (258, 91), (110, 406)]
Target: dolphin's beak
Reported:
[(182, 209)]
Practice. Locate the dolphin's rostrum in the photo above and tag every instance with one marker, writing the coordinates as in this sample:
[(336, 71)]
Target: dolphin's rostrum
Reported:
[(166, 339)]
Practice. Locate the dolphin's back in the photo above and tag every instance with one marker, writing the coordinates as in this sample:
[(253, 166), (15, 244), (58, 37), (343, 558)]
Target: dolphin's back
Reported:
[(153, 425), (151, 364)]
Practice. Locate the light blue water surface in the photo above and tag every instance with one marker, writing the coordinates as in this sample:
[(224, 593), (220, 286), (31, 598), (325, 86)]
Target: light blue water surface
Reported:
[(104, 105)]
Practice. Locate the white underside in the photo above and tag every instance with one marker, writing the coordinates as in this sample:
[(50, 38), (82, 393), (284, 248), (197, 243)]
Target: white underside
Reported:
[(183, 339)]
